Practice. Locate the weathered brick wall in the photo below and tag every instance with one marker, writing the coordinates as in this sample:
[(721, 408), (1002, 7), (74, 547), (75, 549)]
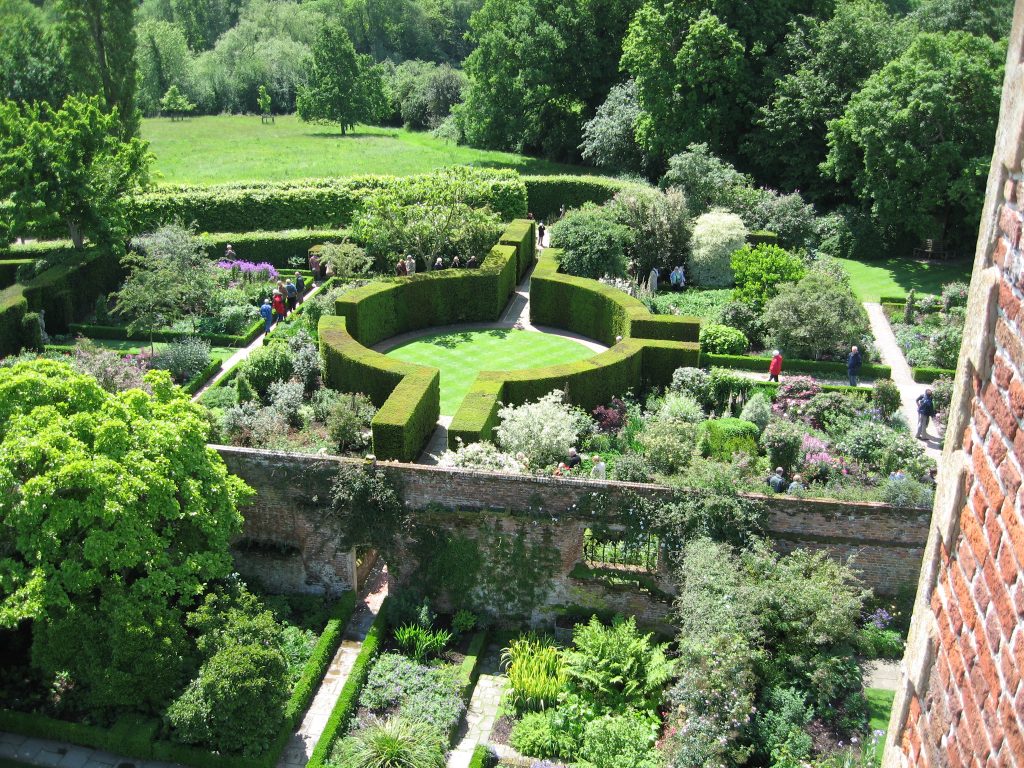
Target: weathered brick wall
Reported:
[(960, 700), (885, 542)]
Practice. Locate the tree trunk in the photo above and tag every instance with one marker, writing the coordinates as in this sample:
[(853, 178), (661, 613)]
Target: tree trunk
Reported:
[(75, 233)]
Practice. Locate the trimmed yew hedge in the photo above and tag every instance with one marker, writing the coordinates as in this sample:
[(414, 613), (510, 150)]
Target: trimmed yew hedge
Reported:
[(547, 194), (818, 367), (596, 310), (926, 375), (408, 396), (388, 307), (120, 333), (521, 234), (9, 271), (272, 247), (135, 736)]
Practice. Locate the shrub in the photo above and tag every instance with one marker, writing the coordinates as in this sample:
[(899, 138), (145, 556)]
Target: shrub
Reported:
[(906, 492), (955, 295), (632, 468), (611, 418), (539, 734), (543, 431), (482, 455), (759, 270), (879, 643), (535, 671), (782, 441), (618, 740), (616, 667), (744, 318), (795, 392), (348, 259), (695, 382), (716, 236), (884, 449), (659, 223), (264, 366), (667, 445), (113, 372), (722, 340), (394, 743), (815, 318), (758, 410), (305, 360), (679, 407), (464, 621), (832, 412), (781, 726), (942, 393), (723, 438), (286, 397), (593, 244), (421, 643), (236, 703), (885, 396), (348, 420)]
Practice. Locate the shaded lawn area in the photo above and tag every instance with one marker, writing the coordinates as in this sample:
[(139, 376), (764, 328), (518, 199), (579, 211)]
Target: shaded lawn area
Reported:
[(879, 708), (460, 356), (225, 148), (895, 277)]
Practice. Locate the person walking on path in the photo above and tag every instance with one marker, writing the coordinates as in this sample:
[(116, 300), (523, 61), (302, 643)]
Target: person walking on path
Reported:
[(410, 265), (267, 313), (314, 266), (540, 234), (280, 310), (652, 280), (853, 364), (775, 366), (300, 286), (292, 292), (925, 411)]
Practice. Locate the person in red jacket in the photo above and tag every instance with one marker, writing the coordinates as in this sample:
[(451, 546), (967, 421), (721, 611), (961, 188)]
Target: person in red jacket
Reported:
[(279, 307), (775, 366)]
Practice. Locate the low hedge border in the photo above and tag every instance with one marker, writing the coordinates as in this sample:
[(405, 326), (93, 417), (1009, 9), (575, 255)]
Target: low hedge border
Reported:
[(135, 736), (273, 247), (469, 671), (598, 311), (587, 383), (9, 271), (769, 389), (120, 333), (194, 384), (925, 375), (790, 366), (483, 757), (348, 698), (546, 195), (408, 396)]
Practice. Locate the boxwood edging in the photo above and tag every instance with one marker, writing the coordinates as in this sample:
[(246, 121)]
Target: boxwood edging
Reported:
[(120, 333), (134, 736), (790, 366), (469, 672), (483, 757), (348, 698), (926, 375)]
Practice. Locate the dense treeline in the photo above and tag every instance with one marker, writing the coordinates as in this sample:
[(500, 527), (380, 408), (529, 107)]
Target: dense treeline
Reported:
[(882, 110)]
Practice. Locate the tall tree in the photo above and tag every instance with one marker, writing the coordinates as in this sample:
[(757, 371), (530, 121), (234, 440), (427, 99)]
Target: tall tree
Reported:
[(343, 87), (916, 141), (100, 39), (69, 165), (32, 65), (164, 59)]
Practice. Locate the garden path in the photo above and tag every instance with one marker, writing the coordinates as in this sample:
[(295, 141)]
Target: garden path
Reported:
[(300, 748), (881, 673), (889, 350), (482, 711), (244, 352), (46, 752)]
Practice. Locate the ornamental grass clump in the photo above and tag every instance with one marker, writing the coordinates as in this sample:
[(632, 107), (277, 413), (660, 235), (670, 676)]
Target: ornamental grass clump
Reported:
[(535, 672)]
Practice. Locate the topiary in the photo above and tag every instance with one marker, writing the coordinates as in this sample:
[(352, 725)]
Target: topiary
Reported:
[(722, 340)]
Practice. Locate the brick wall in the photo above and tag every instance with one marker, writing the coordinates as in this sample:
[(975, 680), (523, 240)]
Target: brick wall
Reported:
[(960, 699), (884, 542)]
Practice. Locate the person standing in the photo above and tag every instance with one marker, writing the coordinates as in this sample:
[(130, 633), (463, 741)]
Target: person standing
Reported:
[(300, 286), (573, 460), (775, 366), (400, 270), (280, 310), (652, 280), (456, 262), (410, 265), (229, 252), (853, 363), (292, 292), (314, 266), (267, 313), (925, 411), (540, 234), (796, 485), (600, 470), (777, 482)]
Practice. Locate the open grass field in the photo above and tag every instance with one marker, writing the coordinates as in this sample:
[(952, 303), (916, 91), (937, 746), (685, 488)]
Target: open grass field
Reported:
[(894, 277), (225, 148), (879, 709), (462, 355)]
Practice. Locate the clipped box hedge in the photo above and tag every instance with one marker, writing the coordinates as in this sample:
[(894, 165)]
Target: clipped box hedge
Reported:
[(521, 234), (9, 271), (120, 333), (547, 194), (333, 202), (134, 736), (762, 236), (926, 375), (791, 366), (408, 396), (273, 247), (348, 699)]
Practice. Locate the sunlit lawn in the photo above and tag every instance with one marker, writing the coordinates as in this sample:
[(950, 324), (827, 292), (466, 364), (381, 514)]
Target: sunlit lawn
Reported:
[(879, 709), (225, 148), (894, 277)]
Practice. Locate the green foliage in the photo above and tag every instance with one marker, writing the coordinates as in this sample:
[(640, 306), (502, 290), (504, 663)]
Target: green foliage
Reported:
[(348, 419), (591, 242), (538, 734), (431, 694), (758, 410), (367, 509), (679, 407), (620, 739), (940, 152), (616, 667), (704, 178), (543, 431), (716, 236), (32, 67), (609, 138), (695, 382), (536, 672), (885, 396), (121, 615), (883, 449), (722, 340), (907, 492), (660, 223), (423, 93), (725, 437), (464, 621), (68, 165), (668, 445), (266, 365), (759, 270), (815, 318), (782, 441), (420, 642), (547, 194), (175, 104), (877, 643), (263, 100), (781, 726), (393, 743)]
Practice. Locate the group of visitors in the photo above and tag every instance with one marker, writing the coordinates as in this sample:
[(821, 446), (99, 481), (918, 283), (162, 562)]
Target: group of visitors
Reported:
[(676, 277), (286, 296), (405, 267), (777, 482), (599, 470), (854, 361)]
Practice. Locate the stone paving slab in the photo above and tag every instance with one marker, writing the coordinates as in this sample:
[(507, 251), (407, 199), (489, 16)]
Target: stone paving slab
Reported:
[(481, 712), (881, 673)]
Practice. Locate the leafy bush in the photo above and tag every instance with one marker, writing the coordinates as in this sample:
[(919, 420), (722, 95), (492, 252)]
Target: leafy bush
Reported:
[(420, 642), (716, 236), (725, 437), (617, 740), (667, 445), (659, 223), (286, 397), (885, 396), (955, 295), (482, 455), (695, 382), (745, 318), (113, 372), (679, 407), (942, 393), (464, 621), (397, 742), (535, 670), (878, 643), (722, 340), (782, 441), (906, 492), (263, 367), (781, 726), (611, 418), (592, 242), (832, 412), (815, 318), (350, 262), (759, 270), (632, 468), (305, 360), (757, 410), (884, 449), (616, 667), (543, 431), (349, 419), (539, 734), (795, 393), (184, 358)]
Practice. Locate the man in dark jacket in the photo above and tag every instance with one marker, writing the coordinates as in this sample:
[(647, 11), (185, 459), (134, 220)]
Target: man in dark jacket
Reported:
[(853, 364), (925, 410)]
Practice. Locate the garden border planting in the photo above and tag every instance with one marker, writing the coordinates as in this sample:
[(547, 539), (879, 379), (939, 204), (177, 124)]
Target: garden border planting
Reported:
[(790, 366), (120, 333), (135, 736), (482, 757), (348, 698), (275, 247)]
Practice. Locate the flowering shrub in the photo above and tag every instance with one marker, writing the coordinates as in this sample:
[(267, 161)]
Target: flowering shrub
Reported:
[(247, 271), (483, 455), (183, 358), (543, 431), (885, 397), (782, 441), (795, 391), (114, 372)]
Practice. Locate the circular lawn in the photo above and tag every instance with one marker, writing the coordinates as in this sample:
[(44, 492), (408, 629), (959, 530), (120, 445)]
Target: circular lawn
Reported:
[(463, 354)]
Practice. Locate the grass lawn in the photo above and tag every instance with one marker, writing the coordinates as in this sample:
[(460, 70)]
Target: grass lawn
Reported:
[(879, 708), (894, 277), (460, 356), (225, 148)]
